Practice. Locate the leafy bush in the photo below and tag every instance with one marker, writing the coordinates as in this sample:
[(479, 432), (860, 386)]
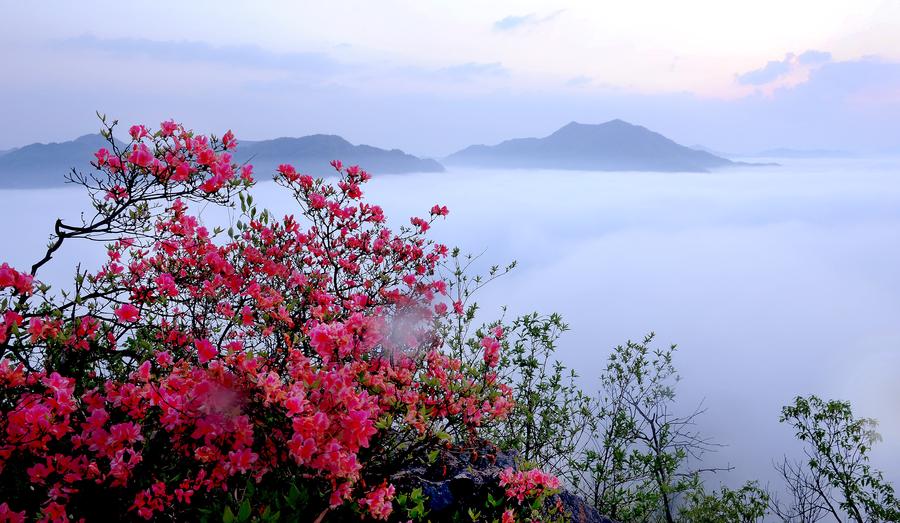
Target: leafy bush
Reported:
[(747, 504)]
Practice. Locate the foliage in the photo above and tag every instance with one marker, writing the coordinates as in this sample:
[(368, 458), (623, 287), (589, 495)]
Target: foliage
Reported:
[(747, 504), (550, 417), (836, 477), (639, 461)]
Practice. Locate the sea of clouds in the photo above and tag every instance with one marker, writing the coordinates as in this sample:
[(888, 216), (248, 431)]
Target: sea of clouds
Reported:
[(773, 281)]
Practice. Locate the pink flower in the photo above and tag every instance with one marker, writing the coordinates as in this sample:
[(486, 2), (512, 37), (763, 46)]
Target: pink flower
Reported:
[(116, 193), (247, 173), (421, 224), (36, 328), (228, 141), (212, 185), (241, 460), (114, 163), (182, 172), (288, 171), (205, 350), (206, 157), (10, 277), (378, 502), (137, 132), (246, 316), (141, 156), (127, 313), (168, 128), (102, 156), (316, 200), (358, 428), (491, 351), (529, 484), (125, 432), (8, 516), (165, 284)]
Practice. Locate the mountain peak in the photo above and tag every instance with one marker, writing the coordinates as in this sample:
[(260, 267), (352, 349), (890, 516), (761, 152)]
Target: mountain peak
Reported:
[(618, 122), (615, 145), (611, 125), (89, 137)]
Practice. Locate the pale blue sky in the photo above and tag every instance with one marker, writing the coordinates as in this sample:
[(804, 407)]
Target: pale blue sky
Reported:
[(432, 77)]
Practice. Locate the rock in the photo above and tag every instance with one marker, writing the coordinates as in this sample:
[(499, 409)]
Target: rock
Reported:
[(581, 512), (465, 479)]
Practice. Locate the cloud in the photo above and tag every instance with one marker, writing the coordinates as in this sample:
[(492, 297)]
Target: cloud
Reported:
[(776, 69), (306, 69), (532, 19), (193, 51), (859, 82), (579, 81), (813, 57), (470, 69), (768, 73)]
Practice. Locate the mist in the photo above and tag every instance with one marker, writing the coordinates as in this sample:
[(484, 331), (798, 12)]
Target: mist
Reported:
[(773, 281)]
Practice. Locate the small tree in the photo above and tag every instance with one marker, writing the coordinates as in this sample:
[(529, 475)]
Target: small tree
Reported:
[(836, 477), (804, 503), (638, 464), (550, 422)]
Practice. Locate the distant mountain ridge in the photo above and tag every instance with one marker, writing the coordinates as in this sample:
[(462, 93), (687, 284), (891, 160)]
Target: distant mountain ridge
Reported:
[(715, 152), (783, 152), (612, 146), (312, 154), (45, 165)]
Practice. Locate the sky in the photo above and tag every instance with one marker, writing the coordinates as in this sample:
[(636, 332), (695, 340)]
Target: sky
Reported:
[(433, 77), (774, 281)]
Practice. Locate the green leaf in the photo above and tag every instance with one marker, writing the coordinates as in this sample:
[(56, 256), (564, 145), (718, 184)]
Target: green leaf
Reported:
[(244, 511), (228, 516), (293, 496)]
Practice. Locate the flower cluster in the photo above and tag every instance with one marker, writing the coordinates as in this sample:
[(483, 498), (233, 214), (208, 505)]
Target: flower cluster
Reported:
[(20, 282), (191, 363), (527, 484)]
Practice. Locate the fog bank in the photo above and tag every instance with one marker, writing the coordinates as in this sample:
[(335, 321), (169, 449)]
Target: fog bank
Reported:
[(773, 281)]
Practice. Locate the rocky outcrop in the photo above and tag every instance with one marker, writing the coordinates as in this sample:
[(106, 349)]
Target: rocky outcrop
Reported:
[(466, 479)]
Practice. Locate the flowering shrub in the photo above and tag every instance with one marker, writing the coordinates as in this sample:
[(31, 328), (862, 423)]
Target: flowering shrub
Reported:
[(295, 361), (526, 494), (527, 484)]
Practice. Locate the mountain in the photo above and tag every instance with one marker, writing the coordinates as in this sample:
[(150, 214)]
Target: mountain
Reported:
[(312, 155), (45, 165), (783, 152), (612, 146), (4, 151), (698, 147)]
